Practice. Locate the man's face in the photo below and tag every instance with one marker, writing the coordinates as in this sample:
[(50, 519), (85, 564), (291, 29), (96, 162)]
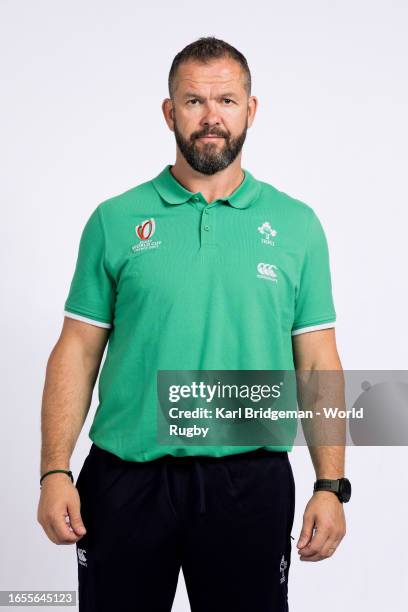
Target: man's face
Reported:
[(210, 113)]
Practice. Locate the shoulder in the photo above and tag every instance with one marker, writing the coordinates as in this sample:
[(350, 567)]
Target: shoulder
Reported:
[(128, 200), (289, 204)]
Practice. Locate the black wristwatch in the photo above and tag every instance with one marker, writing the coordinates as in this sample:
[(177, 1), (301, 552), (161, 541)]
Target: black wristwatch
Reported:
[(340, 487)]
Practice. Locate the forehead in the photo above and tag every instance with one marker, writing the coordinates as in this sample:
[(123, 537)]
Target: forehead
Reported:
[(215, 74)]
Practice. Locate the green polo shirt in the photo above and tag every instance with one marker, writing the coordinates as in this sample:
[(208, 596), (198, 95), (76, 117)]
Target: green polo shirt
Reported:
[(184, 284)]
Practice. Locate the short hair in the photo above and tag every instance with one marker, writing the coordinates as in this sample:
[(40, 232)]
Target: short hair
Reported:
[(204, 50)]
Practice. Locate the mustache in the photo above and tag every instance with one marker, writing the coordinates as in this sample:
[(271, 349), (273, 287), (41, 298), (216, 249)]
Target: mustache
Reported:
[(209, 133)]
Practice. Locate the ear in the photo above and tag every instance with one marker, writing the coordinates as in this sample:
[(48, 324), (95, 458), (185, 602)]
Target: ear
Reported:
[(168, 112), (253, 104)]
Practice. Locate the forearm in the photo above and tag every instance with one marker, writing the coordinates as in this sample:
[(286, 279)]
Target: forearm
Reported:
[(67, 395), (326, 435), (328, 461), (321, 385)]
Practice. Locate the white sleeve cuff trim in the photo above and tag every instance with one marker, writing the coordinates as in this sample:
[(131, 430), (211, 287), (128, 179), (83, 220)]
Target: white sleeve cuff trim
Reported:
[(302, 330), (86, 319)]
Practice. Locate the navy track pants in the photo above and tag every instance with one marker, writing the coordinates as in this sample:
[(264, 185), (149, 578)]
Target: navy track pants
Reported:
[(226, 521)]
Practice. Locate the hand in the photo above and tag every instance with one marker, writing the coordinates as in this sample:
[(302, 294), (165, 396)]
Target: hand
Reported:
[(59, 502), (325, 515)]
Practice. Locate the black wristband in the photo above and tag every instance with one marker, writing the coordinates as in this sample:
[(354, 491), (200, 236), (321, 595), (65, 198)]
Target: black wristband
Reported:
[(56, 471)]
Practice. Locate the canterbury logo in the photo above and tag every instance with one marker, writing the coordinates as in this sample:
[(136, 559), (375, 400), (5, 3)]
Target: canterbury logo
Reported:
[(145, 230), (266, 270)]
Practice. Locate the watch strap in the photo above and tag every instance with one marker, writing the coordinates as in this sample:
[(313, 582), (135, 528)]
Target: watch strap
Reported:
[(324, 484)]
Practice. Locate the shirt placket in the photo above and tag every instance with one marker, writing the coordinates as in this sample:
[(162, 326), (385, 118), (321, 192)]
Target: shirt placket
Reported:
[(207, 222)]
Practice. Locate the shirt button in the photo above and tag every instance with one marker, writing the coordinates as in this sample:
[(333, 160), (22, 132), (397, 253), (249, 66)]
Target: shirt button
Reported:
[(206, 227), (207, 212), (196, 198)]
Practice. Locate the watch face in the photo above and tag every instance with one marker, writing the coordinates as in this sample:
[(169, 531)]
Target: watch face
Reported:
[(344, 489)]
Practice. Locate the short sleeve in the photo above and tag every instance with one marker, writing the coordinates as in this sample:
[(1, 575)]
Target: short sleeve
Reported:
[(91, 296), (314, 307)]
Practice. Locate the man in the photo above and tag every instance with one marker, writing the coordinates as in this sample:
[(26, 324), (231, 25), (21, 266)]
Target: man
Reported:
[(202, 268)]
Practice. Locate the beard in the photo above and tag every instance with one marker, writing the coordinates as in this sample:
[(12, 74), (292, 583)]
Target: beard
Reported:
[(209, 158)]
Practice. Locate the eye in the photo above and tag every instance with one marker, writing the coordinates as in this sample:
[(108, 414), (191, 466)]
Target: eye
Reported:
[(228, 100), (192, 101)]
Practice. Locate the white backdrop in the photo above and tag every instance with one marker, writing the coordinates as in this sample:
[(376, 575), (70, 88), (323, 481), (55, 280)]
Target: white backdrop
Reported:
[(81, 122)]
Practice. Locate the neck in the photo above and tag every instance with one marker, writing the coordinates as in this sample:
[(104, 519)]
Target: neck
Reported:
[(215, 186)]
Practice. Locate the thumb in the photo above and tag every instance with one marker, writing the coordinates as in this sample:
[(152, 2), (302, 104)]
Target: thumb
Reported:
[(76, 520), (306, 532)]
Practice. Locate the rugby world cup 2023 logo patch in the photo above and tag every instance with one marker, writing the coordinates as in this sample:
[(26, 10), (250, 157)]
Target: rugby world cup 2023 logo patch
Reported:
[(144, 231)]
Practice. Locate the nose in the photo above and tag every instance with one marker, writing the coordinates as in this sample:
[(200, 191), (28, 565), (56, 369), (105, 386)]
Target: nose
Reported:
[(210, 116)]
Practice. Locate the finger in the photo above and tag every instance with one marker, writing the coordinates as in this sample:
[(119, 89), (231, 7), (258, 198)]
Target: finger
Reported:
[(68, 522), (75, 519), (50, 533), (313, 549), (330, 547), (315, 557), (62, 530), (307, 530), (319, 556)]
